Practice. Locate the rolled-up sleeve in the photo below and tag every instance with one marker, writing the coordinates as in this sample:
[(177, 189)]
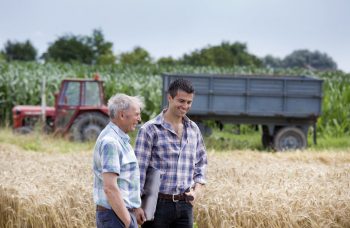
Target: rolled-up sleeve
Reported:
[(110, 158)]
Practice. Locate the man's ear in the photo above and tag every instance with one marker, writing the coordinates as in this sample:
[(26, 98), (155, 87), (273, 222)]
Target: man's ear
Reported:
[(169, 97), (121, 114)]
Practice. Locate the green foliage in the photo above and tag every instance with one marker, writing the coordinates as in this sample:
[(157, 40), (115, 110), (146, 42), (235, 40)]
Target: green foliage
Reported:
[(22, 51), (34, 142), (81, 49), (230, 140), (335, 120), (166, 61), (308, 59), (2, 58), (103, 53), (223, 55), (301, 59), (329, 141), (106, 59), (135, 83), (272, 62), (70, 49), (20, 83), (219, 141), (138, 56)]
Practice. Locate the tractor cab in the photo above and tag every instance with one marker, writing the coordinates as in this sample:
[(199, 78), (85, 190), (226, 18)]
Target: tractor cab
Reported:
[(79, 111)]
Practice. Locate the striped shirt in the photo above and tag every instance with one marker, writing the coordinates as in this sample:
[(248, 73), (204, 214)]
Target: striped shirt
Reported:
[(113, 153), (181, 162)]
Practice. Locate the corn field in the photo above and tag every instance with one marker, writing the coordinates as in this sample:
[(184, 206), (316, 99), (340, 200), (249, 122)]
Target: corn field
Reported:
[(20, 83), (244, 189)]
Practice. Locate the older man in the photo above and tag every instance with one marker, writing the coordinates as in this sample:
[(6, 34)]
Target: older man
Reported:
[(116, 171)]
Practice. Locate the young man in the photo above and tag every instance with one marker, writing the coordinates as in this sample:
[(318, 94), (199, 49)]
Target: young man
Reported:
[(173, 144), (116, 171)]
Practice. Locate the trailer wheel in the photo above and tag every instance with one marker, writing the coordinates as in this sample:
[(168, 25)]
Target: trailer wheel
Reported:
[(290, 138), (88, 126)]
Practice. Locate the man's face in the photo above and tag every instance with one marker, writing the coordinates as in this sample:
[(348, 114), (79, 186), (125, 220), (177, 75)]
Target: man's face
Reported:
[(131, 117), (181, 103)]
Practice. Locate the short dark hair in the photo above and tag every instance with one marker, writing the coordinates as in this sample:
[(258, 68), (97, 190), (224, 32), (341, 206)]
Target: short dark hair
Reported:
[(180, 84)]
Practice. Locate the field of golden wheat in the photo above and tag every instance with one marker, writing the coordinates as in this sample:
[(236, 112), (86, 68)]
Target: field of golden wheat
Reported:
[(244, 189)]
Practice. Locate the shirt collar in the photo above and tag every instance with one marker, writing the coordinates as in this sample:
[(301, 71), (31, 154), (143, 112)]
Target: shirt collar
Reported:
[(120, 133), (160, 119)]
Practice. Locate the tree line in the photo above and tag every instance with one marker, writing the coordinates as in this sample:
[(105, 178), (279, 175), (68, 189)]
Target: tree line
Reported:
[(94, 49)]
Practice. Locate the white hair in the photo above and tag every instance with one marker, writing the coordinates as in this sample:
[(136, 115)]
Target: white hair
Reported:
[(120, 102)]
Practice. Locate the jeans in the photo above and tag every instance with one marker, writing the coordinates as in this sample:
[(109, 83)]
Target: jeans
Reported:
[(171, 214), (109, 219)]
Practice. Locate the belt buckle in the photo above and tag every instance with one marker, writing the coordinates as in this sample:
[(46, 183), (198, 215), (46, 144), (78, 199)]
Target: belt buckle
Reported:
[(174, 199)]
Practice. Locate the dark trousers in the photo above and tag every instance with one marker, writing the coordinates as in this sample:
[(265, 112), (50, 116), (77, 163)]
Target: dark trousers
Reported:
[(171, 214), (109, 219)]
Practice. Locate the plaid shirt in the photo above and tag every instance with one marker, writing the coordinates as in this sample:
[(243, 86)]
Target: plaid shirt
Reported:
[(181, 163), (113, 153)]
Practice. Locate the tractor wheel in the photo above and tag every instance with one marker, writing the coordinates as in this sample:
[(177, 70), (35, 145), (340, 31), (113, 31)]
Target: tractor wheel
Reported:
[(88, 126), (290, 138), (23, 130)]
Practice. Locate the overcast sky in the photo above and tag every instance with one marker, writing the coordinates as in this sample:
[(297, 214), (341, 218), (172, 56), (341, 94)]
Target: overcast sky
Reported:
[(172, 28)]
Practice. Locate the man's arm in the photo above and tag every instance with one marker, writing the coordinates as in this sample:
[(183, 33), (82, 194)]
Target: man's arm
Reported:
[(143, 152), (201, 160), (114, 197), (143, 147), (199, 169)]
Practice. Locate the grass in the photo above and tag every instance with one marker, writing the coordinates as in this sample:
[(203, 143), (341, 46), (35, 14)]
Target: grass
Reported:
[(229, 139), (226, 140), (37, 141), (329, 142)]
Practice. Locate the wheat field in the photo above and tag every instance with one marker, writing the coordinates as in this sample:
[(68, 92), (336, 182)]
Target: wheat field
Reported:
[(244, 189)]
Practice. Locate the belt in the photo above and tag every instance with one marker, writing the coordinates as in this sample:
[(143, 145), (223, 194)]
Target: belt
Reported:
[(100, 208), (175, 198)]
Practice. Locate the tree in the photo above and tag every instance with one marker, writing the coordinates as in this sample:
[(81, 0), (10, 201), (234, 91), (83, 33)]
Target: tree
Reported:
[(225, 54), (307, 59), (166, 61), (102, 49), (70, 48), (273, 62), (2, 57), (82, 49), (138, 56), (23, 51)]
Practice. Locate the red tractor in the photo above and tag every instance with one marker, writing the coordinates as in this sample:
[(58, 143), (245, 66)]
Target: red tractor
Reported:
[(79, 111)]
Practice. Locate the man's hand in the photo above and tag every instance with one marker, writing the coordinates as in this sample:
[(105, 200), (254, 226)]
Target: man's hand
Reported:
[(193, 194), (127, 223), (115, 198), (140, 216)]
